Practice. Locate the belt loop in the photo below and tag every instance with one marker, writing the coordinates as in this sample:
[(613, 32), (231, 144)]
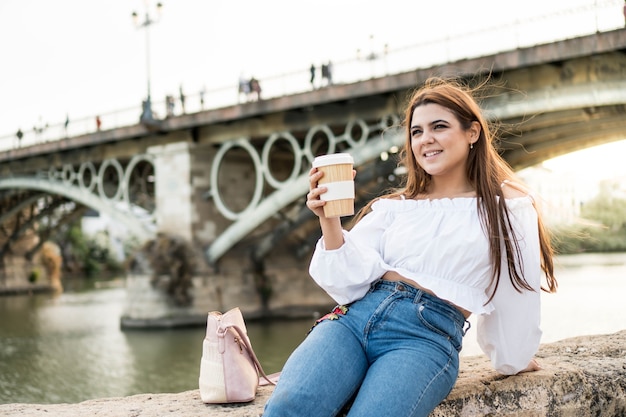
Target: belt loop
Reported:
[(418, 296), (466, 329)]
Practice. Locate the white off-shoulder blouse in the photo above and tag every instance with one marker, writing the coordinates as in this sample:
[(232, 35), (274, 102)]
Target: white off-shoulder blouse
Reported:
[(441, 245)]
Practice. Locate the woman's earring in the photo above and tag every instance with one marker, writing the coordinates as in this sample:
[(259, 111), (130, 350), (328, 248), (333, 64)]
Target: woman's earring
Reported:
[(471, 145)]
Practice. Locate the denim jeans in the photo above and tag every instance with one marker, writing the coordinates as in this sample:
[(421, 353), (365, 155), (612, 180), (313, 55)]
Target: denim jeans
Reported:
[(395, 352)]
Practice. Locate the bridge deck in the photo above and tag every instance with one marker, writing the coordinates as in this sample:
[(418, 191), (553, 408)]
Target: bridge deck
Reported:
[(551, 53)]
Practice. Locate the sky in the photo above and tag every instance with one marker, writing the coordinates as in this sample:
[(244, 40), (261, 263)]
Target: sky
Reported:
[(600, 162), (78, 59)]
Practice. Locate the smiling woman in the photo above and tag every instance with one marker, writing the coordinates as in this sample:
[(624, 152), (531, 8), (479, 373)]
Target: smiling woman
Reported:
[(457, 238)]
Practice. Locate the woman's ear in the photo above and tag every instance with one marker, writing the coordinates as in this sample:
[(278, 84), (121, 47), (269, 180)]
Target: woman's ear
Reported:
[(474, 132)]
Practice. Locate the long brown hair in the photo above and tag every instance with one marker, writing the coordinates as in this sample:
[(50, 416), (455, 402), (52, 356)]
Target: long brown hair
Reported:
[(486, 171)]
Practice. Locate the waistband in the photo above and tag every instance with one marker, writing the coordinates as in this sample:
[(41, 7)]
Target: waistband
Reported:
[(418, 295)]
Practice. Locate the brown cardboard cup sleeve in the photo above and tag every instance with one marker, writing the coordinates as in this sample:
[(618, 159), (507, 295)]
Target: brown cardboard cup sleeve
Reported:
[(339, 182)]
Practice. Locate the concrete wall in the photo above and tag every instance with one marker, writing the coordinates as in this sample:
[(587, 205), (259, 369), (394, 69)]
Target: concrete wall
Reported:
[(581, 377)]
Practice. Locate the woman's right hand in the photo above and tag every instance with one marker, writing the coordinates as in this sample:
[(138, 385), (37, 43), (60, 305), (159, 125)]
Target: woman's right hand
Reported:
[(313, 201), (331, 226)]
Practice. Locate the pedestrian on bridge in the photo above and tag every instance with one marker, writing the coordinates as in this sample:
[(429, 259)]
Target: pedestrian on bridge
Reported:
[(169, 106), (202, 93), (312, 71), (324, 72), (255, 88), (461, 236), (19, 136), (182, 98), (243, 88), (329, 73)]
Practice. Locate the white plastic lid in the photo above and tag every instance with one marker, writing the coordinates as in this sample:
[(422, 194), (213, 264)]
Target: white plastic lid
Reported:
[(332, 159)]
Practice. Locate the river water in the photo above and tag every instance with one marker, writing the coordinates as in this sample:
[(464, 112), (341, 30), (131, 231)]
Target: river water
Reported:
[(69, 348)]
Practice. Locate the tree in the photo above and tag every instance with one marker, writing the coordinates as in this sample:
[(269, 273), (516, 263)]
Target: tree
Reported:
[(606, 208), (602, 227)]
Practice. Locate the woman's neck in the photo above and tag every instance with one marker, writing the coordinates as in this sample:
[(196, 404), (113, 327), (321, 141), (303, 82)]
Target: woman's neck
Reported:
[(456, 189)]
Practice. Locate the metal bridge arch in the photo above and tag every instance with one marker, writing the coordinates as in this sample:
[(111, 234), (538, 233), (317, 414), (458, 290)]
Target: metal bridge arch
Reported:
[(368, 145), (80, 186), (140, 229)]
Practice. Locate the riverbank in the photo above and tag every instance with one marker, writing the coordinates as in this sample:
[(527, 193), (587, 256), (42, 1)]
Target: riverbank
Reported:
[(26, 289), (582, 376)]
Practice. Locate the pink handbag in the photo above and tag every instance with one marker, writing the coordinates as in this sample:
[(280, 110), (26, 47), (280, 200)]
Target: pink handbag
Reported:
[(229, 369)]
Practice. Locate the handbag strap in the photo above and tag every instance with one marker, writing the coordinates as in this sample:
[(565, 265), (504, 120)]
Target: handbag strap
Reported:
[(244, 338)]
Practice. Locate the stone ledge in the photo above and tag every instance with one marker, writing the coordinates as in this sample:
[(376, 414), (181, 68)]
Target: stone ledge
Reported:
[(583, 376)]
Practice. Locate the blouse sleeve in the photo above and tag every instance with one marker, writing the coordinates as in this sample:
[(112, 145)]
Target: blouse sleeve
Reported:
[(510, 334), (347, 272)]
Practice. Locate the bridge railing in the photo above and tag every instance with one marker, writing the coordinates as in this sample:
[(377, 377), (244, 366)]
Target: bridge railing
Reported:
[(564, 24)]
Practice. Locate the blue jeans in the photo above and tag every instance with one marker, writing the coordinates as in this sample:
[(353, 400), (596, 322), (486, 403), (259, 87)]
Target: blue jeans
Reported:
[(395, 352)]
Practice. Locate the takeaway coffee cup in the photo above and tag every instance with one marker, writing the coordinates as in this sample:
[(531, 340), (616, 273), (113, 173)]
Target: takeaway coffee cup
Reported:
[(337, 168)]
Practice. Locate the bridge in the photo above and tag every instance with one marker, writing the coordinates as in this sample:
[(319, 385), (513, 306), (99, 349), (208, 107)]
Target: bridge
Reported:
[(231, 181)]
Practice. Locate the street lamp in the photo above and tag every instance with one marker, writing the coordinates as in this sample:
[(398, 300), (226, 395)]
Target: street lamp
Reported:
[(146, 114)]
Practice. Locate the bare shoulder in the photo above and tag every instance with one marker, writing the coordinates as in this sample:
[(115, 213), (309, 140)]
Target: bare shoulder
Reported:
[(392, 197), (511, 189)]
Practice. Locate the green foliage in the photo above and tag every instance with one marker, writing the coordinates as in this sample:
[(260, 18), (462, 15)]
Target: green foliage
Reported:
[(34, 275), (606, 209), (601, 229), (86, 255)]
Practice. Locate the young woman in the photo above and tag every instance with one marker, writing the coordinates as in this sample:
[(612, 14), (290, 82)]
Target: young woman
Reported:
[(461, 237)]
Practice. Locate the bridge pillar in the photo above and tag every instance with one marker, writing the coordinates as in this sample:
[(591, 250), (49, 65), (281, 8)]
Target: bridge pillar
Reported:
[(147, 303), (173, 189)]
